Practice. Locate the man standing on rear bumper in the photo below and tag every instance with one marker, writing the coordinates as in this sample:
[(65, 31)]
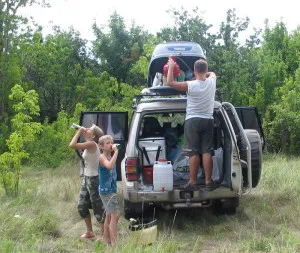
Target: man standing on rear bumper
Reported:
[(198, 127)]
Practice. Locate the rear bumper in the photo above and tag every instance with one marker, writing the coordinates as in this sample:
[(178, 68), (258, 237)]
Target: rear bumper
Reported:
[(180, 196)]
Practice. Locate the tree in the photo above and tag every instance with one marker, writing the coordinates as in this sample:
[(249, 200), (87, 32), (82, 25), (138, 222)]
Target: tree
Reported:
[(118, 49), (11, 70), (56, 65), (272, 65), (234, 64), (139, 70), (283, 118), (105, 93), (9, 24), (50, 148), (25, 105), (188, 27)]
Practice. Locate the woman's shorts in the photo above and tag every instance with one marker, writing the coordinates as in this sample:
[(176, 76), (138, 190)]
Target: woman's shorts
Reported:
[(110, 203)]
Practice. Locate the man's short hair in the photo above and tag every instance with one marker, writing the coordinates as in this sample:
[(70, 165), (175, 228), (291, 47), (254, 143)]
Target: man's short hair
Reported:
[(201, 66)]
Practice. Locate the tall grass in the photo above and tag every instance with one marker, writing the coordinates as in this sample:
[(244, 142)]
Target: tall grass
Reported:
[(43, 218)]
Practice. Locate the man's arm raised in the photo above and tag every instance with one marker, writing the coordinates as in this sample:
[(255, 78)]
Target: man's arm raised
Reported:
[(211, 75), (182, 86)]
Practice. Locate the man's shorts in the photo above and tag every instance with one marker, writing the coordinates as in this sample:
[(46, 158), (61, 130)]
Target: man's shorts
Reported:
[(110, 203), (89, 198), (198, 136)]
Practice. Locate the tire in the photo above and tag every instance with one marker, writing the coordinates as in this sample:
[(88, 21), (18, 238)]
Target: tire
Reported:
[(226, 206), (256, 155), (137, 210)]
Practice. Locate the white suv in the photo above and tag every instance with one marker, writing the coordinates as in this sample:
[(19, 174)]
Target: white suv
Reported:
[(156, 132), (236, 158)]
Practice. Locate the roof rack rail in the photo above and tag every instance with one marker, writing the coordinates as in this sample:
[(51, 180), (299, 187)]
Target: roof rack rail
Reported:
[(154, 98), (167, 96)]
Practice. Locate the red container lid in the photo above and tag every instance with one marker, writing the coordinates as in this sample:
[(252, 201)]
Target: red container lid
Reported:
[(162, 160)]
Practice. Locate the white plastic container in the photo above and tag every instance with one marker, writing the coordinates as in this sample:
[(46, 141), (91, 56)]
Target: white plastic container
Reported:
[(154, 148), (162, 175)]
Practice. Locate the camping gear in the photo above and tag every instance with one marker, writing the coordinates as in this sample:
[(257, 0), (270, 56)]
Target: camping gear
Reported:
[(186, 54), (163, 175), (153, 148)]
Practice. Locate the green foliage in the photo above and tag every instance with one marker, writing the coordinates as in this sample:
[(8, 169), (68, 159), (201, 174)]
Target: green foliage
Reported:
[(13, 33), (283, 129), (272, 65), (235, 65), (25, 105), (105, 93), (140, 68), (120, 48), (188, 26), (4, 133), (6, 246), (64, 71), (258, 99), (51, 148), (57, 65)]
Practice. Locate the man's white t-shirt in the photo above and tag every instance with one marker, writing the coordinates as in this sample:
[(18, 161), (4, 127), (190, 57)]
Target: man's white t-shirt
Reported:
[(200, 98)]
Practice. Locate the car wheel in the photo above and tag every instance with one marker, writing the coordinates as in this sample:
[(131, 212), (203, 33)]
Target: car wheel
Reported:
[(137, 210), (226, 206)]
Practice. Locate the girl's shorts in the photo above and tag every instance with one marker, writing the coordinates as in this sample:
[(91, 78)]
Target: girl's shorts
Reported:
[(110, 203)]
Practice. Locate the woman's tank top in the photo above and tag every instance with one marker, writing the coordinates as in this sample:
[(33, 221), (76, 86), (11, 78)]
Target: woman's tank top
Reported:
[(91, 161)]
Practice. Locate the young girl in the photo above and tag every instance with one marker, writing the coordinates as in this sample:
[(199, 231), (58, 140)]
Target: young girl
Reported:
[(89, 195), (108, 187)]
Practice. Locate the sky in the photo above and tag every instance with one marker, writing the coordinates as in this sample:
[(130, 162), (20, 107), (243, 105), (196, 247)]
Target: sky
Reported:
[(152, 15)]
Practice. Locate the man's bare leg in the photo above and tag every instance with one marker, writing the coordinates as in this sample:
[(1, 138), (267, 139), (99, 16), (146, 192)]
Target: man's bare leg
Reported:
[(207, 166), (194, 163), (89, 228)]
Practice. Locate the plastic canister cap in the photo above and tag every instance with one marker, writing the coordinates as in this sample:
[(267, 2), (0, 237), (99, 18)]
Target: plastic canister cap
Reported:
[(162, 160)]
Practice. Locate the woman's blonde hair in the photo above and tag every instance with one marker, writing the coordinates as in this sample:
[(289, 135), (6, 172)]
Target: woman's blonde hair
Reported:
[(97, 132)]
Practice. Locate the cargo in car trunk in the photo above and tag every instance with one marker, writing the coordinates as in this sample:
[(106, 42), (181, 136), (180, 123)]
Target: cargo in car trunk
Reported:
[(152, 148)]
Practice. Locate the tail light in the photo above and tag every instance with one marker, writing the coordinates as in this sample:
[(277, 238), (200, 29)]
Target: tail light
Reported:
[(131, 169)]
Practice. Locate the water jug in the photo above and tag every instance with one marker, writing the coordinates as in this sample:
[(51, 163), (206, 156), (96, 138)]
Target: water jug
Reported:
[(162, 175)]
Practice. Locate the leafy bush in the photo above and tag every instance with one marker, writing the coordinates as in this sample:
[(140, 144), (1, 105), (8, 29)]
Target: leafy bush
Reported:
[(24, 131), (283, 127), (51, 148)]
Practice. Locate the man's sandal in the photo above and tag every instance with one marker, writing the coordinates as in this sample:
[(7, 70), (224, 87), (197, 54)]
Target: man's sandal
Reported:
[(190, 187), (211, 186)]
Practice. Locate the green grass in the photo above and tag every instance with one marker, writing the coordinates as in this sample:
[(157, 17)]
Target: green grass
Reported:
[(43, 218)]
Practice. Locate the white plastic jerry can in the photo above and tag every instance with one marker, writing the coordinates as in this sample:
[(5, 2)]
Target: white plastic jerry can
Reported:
[(163, 175)]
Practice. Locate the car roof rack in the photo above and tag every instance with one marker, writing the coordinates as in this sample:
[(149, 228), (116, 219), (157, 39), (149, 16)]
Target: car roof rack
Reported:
[(165, 93), (147, 98)]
